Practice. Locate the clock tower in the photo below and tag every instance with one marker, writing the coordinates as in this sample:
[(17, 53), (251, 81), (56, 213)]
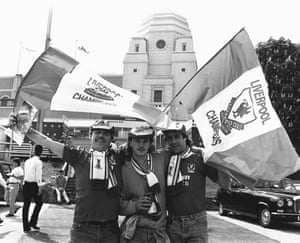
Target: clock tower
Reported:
[(160, 59)]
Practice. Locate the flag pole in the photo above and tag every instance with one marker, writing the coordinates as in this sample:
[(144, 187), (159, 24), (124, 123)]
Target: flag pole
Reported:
[(187, 83), (41, 113), (48, 33)]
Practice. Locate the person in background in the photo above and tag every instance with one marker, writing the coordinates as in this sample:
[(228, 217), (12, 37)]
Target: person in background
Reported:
[(187, 219), (3, 184), (143, 195), (14, 183), (69, 171), (98, 182), (33, 168), (60, 185)]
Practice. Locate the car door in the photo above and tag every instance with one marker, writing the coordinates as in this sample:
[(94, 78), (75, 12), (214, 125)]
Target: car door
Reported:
[(236, 196), (247, 201)]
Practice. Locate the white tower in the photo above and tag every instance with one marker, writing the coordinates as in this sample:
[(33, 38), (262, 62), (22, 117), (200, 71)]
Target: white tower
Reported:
[(161, 59)]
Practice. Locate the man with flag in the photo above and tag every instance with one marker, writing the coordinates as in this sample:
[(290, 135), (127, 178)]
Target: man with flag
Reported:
[(97, 183), (186, 176), (227, 98)]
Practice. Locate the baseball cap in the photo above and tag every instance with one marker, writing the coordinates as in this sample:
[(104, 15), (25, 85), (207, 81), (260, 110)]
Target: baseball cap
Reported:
[(102, 125), (142, 131), (175, 126)]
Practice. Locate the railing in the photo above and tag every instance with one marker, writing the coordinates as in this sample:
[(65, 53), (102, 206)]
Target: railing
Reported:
[(13, 150)]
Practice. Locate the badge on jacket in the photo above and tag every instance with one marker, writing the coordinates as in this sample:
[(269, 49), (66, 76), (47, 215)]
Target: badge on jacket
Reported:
[(191, 168)]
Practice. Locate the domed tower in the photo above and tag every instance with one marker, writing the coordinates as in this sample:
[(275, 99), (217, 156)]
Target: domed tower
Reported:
[(160, 59)]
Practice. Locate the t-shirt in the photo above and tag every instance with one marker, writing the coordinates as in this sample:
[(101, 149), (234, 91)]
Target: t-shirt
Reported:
[(191, 198), (94, 202), (16, 172)]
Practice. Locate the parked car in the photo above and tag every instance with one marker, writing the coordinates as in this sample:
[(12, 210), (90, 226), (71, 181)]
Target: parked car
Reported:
[(269, 201)]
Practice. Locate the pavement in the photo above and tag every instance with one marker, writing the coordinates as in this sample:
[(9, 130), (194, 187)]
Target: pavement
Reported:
[(55, 222)]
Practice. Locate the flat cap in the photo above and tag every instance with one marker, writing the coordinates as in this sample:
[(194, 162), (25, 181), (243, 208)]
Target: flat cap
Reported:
[(142, 131), (102, 125)]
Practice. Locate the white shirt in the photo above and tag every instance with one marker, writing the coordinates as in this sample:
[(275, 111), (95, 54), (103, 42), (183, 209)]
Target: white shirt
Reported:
[(2, 181), (33, 169), (16, 172)]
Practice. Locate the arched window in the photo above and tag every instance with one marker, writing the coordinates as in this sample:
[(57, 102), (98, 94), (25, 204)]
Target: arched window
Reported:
[(4, 100)]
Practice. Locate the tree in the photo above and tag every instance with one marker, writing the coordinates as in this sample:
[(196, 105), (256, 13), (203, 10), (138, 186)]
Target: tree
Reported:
[(280, 60)]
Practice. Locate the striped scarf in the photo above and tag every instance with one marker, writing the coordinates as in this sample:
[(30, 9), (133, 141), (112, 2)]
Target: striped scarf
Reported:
[(101, 168), (174, 173), (152, 181), (153, 186)]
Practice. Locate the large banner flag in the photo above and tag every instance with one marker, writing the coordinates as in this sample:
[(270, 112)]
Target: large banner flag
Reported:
[(232, 110), (58, 82)]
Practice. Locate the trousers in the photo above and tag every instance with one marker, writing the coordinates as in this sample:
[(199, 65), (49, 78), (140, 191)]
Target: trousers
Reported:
[(31, 192)]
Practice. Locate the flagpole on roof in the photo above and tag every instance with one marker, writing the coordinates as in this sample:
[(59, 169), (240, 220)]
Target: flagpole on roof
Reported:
[(187, 83), (48, 33), (41, 113)]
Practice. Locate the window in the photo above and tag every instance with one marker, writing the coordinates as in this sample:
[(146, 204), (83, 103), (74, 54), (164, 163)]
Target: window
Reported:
[(5, 101), (160, 44), (183, 46), (157, 96), (10, 103), (182, 70), (135, 70), (137, 48), (134, 91)]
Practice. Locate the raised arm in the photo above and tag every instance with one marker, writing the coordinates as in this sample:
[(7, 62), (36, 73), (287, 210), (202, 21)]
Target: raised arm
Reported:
[(39, 138)]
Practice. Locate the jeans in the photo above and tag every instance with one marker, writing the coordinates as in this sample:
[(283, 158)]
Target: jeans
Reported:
[(148, 235), (188, 229), (95, 233)]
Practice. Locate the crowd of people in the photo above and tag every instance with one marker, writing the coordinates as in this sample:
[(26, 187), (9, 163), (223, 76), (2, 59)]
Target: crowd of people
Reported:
[(160, 193), (280, 60)]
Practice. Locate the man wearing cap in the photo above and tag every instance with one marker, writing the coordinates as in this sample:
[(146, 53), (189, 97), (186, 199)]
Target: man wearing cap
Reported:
[(187, 220), (143, 197), (97, 183)]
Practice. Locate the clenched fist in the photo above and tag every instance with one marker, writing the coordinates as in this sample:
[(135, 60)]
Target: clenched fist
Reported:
[(143, 204)]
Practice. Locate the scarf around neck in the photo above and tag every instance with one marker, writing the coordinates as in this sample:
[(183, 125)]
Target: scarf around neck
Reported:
[(151, 179), (101, 168), (174, 174)]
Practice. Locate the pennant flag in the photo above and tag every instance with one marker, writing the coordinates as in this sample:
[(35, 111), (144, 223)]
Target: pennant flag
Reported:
[(82, 48), (228, 99), (58, 82)]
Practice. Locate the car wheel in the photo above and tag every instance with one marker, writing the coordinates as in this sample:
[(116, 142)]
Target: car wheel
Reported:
[(264, 217), (222, 212)]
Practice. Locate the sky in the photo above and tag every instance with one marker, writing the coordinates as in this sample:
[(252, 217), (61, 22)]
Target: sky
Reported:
[(105, 28)]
